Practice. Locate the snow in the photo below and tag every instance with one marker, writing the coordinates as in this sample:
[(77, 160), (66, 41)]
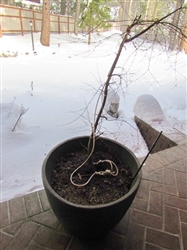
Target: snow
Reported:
[(144, 108), (56, 83)]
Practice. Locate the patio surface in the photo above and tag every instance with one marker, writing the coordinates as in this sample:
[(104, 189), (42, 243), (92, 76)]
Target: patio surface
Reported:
[(157, 219)]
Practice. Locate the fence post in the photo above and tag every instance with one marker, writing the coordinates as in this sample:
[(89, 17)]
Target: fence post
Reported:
[(33, 20), (21, 23), (58, 24), (68, 24), (0, 31)]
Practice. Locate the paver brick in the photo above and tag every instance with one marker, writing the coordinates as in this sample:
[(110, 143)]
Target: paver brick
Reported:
[(140, 204), (153, 164), (169, 177), (180, 152), (170, 156), (147, 168), (4, 216), (151, 247), (147, 219), (180, 176), (17, 209), (162, 239), (171, 220), (182, 188), (51, 239), (184, 235), (175, 202), (4, 240), (155, 176), (183, 146), (32, 204), (47, 219), (177, 153), (34, 246), (156, 203), (178, 166), (143, 192), (13, 228), (24, 236), (44, 200), (135, 237), (163, 188), (183, 216), (160, 158)]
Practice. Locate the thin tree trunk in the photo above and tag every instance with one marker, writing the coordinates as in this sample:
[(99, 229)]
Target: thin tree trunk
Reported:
[(147, 10), (77, 17), (63, 7), (68, 8), (172, 34), (45, 33), (125, 15), (130, 9), (183, 40), (133, 9), (89, 35), (155, 9)]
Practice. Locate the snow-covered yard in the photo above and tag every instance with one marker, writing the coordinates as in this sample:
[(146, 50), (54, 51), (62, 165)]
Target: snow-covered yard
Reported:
[(56, 84)]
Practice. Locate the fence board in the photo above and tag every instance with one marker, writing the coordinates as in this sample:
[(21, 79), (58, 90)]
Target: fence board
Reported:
[(26, 13), (16, 20)]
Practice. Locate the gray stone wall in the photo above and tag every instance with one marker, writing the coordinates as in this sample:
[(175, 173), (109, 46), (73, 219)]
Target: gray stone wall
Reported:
[(150, 134)]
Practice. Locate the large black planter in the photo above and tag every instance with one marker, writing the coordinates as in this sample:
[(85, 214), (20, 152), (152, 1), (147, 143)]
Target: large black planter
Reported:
[(89, 222)]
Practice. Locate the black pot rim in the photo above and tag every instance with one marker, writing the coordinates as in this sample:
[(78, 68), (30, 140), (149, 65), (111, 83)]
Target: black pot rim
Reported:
[(50, 189)]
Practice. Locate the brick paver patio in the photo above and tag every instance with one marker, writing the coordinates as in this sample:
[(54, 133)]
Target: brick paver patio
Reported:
[(157, 219)]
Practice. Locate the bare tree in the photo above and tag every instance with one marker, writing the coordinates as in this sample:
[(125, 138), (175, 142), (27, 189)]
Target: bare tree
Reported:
[(183, 40), (78, 2), (155, 8), (125, 14), (147, 9), (45, 32), (138, 27), (131, 33), (68, 6), (63, 7), (176, 18)]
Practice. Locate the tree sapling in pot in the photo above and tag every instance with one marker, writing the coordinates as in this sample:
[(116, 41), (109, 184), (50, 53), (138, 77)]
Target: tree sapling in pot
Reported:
[(91, 181)]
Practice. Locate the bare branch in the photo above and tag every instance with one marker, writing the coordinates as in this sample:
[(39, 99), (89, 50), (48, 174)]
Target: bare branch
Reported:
[(21, 113)]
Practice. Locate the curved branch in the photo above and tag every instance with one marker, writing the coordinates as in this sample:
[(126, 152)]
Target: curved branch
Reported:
[(126, 39), (156, 22)]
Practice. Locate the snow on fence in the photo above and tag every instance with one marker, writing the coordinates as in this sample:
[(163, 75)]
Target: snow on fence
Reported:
[(16, 20)]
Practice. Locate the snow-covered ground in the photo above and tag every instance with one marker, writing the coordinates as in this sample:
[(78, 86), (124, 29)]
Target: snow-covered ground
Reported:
[(56, 83)]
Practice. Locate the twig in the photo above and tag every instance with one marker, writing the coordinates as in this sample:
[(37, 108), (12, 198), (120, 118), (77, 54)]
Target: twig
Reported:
[(32, 88), (21, 112)]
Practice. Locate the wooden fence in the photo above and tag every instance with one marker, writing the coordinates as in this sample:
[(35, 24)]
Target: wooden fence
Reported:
[(17, 20)]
